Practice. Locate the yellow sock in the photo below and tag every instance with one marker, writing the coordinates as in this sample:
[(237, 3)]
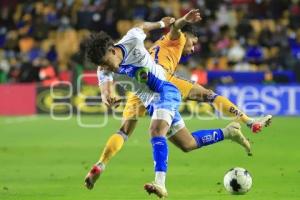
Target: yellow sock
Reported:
[(225, 106), (113, 146)]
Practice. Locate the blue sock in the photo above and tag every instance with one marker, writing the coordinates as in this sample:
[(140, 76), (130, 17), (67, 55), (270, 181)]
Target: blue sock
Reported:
[(160, 153), (208, 137)]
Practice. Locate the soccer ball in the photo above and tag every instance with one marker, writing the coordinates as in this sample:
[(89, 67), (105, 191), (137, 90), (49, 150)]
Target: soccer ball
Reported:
[(237, 181)]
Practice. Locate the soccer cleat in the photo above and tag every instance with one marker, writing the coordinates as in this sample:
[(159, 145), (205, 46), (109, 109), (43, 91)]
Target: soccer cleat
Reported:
[(257, 125), (92, 176), (233, 132), (154, 188)]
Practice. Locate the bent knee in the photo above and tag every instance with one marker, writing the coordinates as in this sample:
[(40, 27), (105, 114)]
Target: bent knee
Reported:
[(159, 128), (156, 131)]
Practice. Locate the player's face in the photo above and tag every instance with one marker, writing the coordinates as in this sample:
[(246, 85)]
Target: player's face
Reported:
[(109, 61), (189, 46)]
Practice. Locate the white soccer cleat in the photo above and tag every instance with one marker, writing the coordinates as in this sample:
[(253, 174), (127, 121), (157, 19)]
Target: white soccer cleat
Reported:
[(156, 189), (257, 125), (233, 132)]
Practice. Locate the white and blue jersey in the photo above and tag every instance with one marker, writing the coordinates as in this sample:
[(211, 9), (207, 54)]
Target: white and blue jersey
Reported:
[(137, 59), (148, 78)]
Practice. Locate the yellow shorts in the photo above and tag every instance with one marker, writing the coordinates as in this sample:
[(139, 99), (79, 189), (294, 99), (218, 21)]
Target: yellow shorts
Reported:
[(184, 86), (134, 108)]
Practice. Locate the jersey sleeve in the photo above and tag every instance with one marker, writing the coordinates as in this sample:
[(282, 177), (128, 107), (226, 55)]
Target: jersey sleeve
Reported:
[(104, 76), (134, 39), (137, 33), (134, 34)]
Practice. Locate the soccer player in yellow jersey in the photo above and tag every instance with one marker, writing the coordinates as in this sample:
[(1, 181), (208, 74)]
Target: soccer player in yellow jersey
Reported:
[(167, 52)]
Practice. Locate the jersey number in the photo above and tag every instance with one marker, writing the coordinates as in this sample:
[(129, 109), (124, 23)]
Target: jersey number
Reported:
[(156, 50)]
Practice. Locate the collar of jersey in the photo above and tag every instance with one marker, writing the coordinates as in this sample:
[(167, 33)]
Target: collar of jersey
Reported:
[(124, 51)]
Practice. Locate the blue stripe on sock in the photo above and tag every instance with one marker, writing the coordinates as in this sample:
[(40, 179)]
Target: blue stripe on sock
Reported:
[(208, 137), (160, 153)]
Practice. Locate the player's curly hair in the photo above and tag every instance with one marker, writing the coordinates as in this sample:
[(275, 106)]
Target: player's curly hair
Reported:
[(190, 29), (95, 47)]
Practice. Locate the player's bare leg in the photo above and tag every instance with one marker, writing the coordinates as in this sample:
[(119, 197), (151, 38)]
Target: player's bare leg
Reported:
[(113, 146), (184, 140), (225, 106)]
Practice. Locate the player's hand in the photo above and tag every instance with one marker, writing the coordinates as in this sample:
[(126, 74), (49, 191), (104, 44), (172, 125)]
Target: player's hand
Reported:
[(193, 16), (111, 101), (168, 21)]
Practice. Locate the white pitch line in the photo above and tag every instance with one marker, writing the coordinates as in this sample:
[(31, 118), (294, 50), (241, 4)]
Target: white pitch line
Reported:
[(17, 120)]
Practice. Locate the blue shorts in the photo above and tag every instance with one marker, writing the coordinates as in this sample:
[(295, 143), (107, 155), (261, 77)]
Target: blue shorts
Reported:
[(165, 106)]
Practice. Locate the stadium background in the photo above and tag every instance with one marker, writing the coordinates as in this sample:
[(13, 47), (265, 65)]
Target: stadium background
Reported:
[(248, 50)]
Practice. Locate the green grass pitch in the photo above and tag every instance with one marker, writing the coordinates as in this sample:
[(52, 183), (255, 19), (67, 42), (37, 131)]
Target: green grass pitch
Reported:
[(43, 159)]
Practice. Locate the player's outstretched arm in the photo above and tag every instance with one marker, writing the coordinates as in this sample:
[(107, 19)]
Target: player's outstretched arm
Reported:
[(106, 95), (191, 17), (149, 26)]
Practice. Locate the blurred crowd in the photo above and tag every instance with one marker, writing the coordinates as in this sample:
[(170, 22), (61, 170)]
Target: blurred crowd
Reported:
[(39, 40)]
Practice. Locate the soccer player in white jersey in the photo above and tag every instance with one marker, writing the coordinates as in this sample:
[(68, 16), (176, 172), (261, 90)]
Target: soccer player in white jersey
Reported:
[(129, 60)]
